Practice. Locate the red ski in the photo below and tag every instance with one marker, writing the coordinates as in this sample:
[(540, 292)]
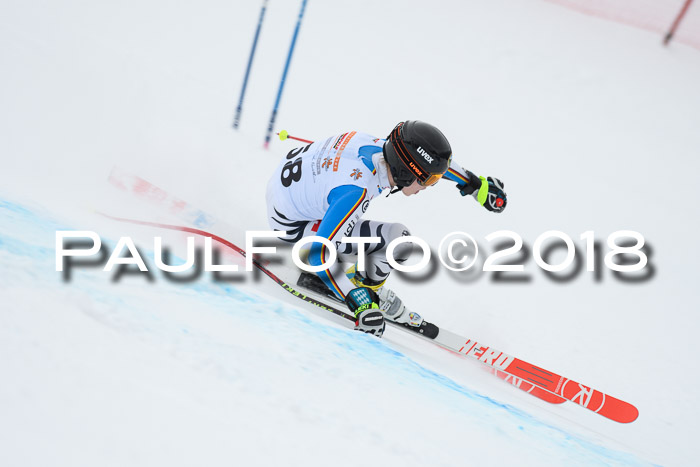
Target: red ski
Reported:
[(585, 396)]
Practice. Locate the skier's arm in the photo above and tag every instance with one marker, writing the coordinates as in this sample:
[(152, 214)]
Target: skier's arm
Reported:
[(343, 213), (458, 174), (488, 191)]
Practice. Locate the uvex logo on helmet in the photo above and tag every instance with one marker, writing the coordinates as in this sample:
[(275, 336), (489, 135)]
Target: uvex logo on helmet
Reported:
[(415, 168), (425, 155)]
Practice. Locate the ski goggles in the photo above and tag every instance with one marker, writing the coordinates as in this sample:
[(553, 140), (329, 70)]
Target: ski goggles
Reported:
[(431, 180)]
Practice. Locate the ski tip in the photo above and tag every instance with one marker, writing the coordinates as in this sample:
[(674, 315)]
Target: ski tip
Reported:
[(618, 410), (630, 414)]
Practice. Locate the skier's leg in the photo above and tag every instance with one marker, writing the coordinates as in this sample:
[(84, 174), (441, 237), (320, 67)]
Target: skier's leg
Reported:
[(377, 267)]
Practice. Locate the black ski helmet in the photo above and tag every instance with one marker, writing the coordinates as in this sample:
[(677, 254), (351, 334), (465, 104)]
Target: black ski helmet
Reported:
[(417, 150)]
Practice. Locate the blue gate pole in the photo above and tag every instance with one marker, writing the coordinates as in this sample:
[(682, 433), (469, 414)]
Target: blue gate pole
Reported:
[(237, 118), (268, 136)]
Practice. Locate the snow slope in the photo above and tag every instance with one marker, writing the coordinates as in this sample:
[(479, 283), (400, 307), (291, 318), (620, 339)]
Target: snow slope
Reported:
[(211, 374), (592, 125)]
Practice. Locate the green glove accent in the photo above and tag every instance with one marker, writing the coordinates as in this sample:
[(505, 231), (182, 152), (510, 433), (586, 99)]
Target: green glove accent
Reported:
[(365, 307), (483, 191)]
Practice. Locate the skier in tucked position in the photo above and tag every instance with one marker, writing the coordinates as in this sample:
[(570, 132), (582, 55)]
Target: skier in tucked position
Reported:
[(323, 190)]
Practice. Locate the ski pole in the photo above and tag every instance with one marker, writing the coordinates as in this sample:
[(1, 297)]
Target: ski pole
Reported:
[(674, 26), (237, 118), (284, 135), (268, 136)]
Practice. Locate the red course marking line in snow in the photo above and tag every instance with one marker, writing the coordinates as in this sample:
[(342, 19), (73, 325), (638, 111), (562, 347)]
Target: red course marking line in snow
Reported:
[(242, 252)]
